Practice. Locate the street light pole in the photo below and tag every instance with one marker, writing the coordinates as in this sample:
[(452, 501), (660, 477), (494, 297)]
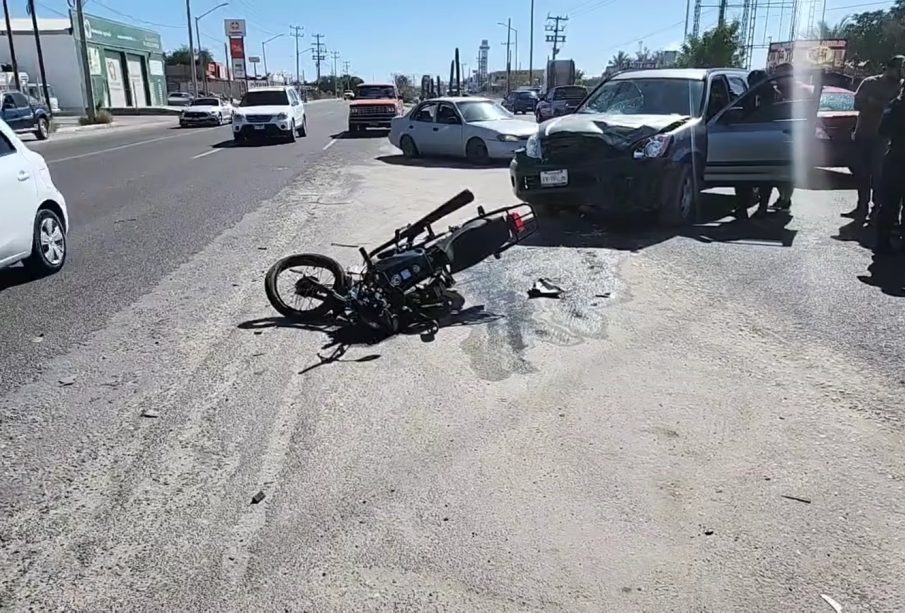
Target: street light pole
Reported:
[(509, 30), (198, 35), (188, 14), (264, 53)]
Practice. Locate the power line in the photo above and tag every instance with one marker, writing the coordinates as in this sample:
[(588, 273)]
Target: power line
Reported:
[(592, 8), (136, 19)]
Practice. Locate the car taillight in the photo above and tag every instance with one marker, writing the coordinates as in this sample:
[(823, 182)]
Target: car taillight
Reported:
[(517, 222)]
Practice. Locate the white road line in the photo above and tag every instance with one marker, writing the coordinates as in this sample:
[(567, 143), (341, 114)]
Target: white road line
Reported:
[(118, 148), (206, 153), (330, 144)]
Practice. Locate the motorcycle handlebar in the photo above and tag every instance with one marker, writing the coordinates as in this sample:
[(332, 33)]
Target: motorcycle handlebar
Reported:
[(452, 205)]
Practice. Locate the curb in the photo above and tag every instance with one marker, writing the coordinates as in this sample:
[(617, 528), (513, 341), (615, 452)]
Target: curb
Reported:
[(109, 126)]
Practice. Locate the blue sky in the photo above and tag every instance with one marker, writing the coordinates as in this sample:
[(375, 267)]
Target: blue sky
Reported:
[(380, 37)]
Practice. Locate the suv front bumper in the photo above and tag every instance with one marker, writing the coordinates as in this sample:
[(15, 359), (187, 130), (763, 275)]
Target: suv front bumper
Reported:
[(612, 186), (270, 129)]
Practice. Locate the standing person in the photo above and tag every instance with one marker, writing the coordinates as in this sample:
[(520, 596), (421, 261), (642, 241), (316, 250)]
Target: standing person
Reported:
[(873, 95), (892, 174)]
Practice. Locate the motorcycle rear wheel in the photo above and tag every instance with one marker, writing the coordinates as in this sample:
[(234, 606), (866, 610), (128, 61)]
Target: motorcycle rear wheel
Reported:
[(319, 307)]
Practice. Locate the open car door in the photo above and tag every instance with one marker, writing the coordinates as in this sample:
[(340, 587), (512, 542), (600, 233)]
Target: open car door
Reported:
[(764, 135)]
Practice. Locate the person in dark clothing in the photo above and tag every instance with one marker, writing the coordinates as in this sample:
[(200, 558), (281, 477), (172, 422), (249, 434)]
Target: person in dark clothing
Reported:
[(872, 97), (892, 177)]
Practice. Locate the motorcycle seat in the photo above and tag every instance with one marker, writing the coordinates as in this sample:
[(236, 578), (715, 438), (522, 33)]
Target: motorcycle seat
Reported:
[(473, 242)]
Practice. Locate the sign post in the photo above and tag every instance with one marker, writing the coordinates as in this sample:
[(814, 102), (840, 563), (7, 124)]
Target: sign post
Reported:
[(235, 33), (254, 60)]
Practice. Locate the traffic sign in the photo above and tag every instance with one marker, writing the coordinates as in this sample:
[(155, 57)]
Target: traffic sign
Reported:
[(253, 59), (234, 27)]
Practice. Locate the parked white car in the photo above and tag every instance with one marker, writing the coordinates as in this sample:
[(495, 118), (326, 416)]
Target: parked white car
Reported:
[(180, 99), (208, 111), (270, 112), (478, 129), (33, 218)]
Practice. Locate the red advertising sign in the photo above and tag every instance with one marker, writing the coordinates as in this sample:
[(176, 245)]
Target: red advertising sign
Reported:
[(237, 48)]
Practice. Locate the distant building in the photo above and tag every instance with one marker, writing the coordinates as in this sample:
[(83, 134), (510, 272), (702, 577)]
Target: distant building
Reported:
[(125, 63), (483, 52)]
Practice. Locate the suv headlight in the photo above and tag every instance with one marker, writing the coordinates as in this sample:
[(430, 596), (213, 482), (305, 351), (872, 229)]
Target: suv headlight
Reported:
[(282, 115), (532, 147), (238, 117), (654, 147)]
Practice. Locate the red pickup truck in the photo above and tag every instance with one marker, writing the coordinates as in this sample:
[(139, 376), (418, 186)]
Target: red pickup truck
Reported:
[(375, 105)]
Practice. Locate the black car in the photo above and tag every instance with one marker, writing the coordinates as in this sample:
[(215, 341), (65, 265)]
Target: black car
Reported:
[(651, 140), (521, 102), (25, 114)]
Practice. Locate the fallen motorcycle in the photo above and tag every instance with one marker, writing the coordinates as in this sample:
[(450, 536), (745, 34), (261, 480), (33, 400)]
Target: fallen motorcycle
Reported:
[(405, 280)]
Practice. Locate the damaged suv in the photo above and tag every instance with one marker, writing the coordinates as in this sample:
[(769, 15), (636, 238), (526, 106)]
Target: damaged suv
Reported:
[(651, 140)]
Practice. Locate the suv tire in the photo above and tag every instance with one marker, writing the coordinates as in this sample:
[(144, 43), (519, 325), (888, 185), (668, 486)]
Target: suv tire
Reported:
[(303, 131), (42, 129), (679, 202)]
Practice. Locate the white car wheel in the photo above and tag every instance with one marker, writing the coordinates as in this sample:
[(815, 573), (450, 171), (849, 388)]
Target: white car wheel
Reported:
[(48, 253)]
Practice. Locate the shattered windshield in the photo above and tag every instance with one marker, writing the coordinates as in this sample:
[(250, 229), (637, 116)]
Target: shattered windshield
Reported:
[(483, 111), (647, 97)]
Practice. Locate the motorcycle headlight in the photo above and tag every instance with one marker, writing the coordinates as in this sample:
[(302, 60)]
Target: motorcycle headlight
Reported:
[(532, 147), (654, 147), (282, 115), (507, 138)]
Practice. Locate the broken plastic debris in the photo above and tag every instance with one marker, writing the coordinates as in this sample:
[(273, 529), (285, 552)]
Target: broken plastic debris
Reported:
[(830, 601), (258, 498), (544, 289), (64, 381), (150, 413)]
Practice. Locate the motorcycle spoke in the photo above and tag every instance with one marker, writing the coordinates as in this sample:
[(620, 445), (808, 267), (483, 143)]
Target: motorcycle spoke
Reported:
[(306, 286)]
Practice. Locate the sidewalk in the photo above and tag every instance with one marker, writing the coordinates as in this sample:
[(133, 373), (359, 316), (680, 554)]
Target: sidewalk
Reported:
[(70, 124)]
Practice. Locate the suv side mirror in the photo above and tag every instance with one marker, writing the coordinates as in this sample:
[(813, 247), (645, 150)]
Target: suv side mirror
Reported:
[(732, 115)]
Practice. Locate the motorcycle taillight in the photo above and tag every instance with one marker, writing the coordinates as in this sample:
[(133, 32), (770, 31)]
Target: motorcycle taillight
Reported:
[(517, 222)]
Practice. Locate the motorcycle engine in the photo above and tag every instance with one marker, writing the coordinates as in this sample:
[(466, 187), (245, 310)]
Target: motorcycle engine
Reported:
[(404, 270)]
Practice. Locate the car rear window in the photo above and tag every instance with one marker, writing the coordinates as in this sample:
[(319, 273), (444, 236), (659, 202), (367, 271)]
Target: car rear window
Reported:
[(570, 93), (527, 95), (376, 92), (837, 101), (267, 98)]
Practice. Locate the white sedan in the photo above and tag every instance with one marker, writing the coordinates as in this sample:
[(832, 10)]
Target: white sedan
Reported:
[(33, 218), (206, 112), (475, 128)]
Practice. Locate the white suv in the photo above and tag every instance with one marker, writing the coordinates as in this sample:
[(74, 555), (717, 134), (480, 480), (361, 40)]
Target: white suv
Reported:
[(270, 112), (33, 218)]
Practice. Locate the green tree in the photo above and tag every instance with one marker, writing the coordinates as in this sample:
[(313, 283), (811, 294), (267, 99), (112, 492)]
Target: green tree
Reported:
[(719, 47), (182, 56), (875, 36)]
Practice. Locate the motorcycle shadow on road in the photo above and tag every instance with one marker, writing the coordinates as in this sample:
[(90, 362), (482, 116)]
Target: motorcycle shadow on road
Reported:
[(342, 336), (715, 224)]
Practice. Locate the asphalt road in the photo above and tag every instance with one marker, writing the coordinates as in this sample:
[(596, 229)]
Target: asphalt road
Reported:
[(141, 202), (708, 421)]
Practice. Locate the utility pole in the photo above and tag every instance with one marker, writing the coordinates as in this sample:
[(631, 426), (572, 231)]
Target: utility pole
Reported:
[(200, 60), (508, 56), (83, 52), (318, 54), (229, 71), (34, 24), (12, 47), (557, 36), (335, 56), (346, 75), (188, 16), (721, 16), (296, 32), (531, 48)]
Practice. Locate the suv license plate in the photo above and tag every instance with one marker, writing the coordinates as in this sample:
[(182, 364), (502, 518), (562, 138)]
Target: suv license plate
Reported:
[(551, 178)]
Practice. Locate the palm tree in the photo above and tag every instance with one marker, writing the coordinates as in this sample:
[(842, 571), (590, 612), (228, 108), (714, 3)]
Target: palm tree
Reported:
[(825, 31), (620, 60)]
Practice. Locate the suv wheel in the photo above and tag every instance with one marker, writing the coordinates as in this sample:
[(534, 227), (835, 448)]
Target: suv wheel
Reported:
[(303, 131), (291, 135), (42, 130), (679, 203)]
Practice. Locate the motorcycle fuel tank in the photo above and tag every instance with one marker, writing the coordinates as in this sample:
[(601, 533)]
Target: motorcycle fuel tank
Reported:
[(404, 270)]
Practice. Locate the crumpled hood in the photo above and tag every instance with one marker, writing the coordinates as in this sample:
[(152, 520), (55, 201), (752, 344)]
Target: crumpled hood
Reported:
[(616, 130)]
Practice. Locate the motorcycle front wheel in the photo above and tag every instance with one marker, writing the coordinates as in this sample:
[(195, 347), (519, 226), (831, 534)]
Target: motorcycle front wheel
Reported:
[(301, 286)]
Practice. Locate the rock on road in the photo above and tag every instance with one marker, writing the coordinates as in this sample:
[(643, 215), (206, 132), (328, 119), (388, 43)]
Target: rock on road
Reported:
[(681, 432)]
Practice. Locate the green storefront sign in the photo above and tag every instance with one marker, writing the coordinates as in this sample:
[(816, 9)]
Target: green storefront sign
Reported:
[(126, 63)]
